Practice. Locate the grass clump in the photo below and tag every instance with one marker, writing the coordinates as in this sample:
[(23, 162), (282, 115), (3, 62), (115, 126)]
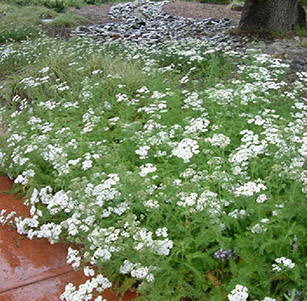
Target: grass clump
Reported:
[(20, 23), (68, 20), (16, 24), (301, 32)]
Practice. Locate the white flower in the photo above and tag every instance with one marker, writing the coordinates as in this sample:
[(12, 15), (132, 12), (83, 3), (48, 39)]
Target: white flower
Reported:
[(44, 70), (197, 125), (150, 278), (219, 140), (162, 247), (258, 229), (96, 71), (187, 199), (261, 198), (23, 179), (152, 204), (185, 149), (161, 232), (102, 254), (144, 89), (121, 97), (285, 262), (239, 293), (146, 169), (139, 273), (249, 189), (87, 164), (142, 151), (127, 267), (88, 271), (72, 257)]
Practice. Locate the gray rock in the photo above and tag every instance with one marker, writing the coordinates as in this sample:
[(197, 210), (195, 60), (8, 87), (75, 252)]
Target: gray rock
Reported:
[(298, 61), (296, 68), (237, 6)]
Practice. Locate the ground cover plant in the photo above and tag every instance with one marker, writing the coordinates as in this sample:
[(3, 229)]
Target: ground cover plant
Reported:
[(178, 170)]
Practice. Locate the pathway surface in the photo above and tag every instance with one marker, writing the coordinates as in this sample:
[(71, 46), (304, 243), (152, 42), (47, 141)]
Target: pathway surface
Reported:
[(33, 270)]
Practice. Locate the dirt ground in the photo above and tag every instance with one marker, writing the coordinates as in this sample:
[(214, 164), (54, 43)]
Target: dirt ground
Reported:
[(99, 14)]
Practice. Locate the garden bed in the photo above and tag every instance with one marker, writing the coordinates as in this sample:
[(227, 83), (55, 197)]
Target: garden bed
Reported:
[(179, 168)]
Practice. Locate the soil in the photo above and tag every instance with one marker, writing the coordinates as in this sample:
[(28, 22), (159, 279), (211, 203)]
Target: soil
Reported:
[(199, 10), (99, 14)]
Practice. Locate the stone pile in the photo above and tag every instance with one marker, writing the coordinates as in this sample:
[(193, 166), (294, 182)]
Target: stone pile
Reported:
[(146, 22)]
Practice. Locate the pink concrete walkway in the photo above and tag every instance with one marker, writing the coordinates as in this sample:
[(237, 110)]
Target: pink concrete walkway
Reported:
[(33, 270)]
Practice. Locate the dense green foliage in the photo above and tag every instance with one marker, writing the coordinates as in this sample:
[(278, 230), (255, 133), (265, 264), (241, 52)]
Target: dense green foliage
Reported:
[(58, 5), (178, 168)]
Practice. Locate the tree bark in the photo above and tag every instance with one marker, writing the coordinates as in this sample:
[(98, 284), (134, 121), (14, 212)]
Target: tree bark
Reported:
[(274, 15)]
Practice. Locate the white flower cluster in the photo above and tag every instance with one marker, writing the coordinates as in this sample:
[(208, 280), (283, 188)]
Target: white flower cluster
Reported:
[(146, 169), (258, 228), (251, 148), (88, 271), (23, 179), (261, 198), (85, 291), (238, 213), (143, 238), (219, 140), (104, 242), (5, 219), (137, 271), (73, 257), (250, 188), (282, 263), (162, 232), (239, 293), (90, 119), (87, 163), (185, 149), (121, 97), (160, 107), (105, 191), (192, 100), (142, 151), (152, 204), (187, 199), (197, 125)]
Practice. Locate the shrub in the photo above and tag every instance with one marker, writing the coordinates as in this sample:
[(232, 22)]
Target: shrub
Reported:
[(58, 5)]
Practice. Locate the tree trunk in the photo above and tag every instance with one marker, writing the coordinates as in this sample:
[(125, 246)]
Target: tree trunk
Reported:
[(275, 15)]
